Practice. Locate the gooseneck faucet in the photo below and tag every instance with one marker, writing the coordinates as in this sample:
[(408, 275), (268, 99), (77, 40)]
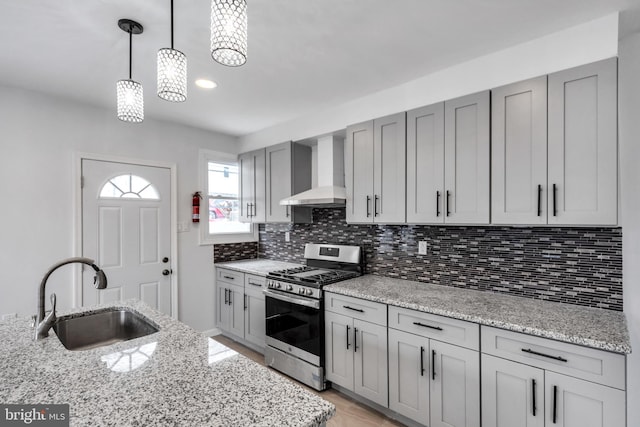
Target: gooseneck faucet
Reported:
[(43, 324)]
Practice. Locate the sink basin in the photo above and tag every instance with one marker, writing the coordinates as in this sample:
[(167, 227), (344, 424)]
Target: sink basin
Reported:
[(101, 328)]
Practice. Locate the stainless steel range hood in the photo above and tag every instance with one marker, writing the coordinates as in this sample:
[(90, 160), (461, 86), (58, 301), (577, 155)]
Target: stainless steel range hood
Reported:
[(328, 190)]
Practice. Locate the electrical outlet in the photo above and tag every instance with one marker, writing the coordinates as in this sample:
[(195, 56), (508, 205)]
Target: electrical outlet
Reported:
[(9, 316), (422, 247), (287, 236), (183, 226)]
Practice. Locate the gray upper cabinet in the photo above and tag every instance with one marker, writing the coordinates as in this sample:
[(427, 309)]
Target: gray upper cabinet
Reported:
[(519, 153), (583, 157), (375, 171), (252, 186), (466, 157), (288, 171), (425, 164)]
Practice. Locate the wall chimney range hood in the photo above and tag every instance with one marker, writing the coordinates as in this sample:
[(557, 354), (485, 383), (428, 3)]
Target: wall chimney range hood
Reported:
[(328, 189)]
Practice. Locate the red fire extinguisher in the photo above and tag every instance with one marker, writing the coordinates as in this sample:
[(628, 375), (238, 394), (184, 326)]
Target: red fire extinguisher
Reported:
[(195, 203)]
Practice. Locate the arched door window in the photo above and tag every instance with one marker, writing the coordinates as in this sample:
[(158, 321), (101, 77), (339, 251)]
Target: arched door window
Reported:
[(129, 186)]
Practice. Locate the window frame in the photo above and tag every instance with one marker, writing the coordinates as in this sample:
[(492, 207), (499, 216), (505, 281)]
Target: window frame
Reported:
[(207, 238)]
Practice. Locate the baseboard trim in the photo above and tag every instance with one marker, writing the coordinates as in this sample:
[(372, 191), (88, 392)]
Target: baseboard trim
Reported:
[(212, 332)]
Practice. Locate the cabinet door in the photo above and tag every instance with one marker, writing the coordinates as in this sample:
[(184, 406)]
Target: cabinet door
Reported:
[(467, 159), (259, 187), (246, 197), (236, 307), (583, 145), (358, 171), (370, 364), (455, 386), (512, 394), (339, 349), (571, 402), (425, 164), (409, 375), (389, 169), (519, 153), (278, 181), (222, 307), (254, 317)]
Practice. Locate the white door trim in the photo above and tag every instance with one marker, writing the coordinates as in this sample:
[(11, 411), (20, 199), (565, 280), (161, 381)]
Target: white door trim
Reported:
[(77, 218)]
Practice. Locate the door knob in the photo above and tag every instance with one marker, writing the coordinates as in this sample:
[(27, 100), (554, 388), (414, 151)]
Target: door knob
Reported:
[(165, 260), (166, 272)]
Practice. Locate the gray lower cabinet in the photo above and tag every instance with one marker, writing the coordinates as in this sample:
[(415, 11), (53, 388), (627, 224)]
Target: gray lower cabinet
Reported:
[(240, 307), (356, 352), (531, 381), (430, 381)]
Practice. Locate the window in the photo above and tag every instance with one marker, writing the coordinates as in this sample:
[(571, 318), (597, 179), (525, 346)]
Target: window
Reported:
[(219, 217), (129, 186)]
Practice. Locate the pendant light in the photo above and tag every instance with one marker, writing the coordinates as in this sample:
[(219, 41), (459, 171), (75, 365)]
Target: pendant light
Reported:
[(129, 92), (229, 32), (172, 72)]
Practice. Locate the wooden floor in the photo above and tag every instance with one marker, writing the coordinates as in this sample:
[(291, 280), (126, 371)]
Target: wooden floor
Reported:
[(349, 413)]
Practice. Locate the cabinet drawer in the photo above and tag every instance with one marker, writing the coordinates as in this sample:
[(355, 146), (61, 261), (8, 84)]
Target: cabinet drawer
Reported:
[(594, 365), (230, 276), (453, 331), (357, 308), (252, 281)]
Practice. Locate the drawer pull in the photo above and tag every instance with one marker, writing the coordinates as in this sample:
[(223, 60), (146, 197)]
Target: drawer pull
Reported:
[(528, 350), (354, 309), (533, 394), (255, 284), (555, 403), (229, 277), (438, 328)]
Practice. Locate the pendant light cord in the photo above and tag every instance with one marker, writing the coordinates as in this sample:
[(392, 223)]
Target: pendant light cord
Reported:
[(130, 49), (172, 24)]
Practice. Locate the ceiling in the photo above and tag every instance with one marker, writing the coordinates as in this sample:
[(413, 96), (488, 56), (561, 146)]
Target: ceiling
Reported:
[(303, 55)]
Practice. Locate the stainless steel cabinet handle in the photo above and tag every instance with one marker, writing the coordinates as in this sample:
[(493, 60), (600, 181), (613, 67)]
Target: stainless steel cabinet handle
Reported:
[(421, 361), (354, 309), (375, 205), (230, 293), (355, 340), (447, 203), (226, 296), (368, 205), (255, 284), (229, 277), (555, 208), (437, 203)]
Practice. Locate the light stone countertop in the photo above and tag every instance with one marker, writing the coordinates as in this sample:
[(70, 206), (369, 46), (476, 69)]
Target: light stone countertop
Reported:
[(591, 327), (174, 377), (259, 267)]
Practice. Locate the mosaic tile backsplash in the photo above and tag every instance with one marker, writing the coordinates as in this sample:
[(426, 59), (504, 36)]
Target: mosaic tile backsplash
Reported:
[(234, 251), (573, 265)]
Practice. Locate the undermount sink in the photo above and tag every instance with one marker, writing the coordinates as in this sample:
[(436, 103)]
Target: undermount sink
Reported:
[(97, 329)]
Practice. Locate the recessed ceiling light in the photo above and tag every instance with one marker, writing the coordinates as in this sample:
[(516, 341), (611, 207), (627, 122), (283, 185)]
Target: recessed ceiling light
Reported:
[(206, 84)]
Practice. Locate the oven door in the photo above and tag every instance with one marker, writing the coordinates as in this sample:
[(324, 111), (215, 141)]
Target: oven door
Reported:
[(294, 324)]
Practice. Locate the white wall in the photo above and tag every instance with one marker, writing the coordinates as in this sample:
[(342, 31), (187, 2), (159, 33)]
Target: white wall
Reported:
[(629, 140), (578, 45), (39, 135)]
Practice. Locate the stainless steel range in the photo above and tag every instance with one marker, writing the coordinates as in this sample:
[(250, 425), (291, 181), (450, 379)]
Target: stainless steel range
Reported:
[(295, 310)]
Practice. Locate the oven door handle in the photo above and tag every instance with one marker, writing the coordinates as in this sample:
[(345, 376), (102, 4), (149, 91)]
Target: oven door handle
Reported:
[(294, 300)]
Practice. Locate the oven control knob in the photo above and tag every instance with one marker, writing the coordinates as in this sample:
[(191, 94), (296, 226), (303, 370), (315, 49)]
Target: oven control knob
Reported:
[(309, 292), (301, 291), (278, 285), (289, 287)]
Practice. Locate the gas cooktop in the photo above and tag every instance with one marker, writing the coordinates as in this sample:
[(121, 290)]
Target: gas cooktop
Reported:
[(310, 276)]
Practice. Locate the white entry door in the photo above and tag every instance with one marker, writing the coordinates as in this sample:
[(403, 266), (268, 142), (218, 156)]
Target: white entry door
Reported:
[(126, 217)]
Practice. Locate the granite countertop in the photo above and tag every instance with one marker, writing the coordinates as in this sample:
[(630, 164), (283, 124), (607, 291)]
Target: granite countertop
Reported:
[(259, 267), (174, 377), (591, 327)]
